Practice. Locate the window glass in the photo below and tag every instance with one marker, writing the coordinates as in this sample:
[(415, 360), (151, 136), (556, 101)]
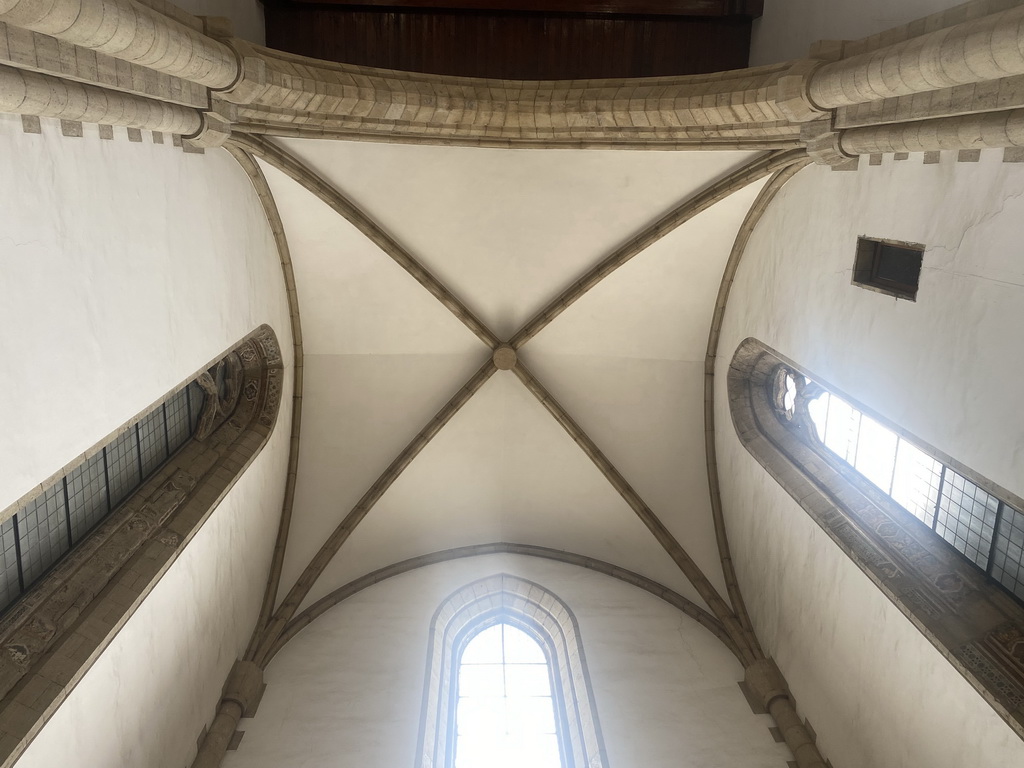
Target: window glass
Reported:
[(981, 526), (506, 714), (48, 526)]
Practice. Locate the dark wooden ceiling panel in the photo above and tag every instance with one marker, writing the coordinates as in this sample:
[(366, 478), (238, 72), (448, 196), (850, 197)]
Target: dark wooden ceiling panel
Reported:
[(749, 8), (511, 45)]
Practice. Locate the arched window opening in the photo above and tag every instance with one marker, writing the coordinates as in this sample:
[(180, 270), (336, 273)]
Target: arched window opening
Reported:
[(42, 531), (941, 542), (506, 682), (984, 528), (95, 540), (505, 716)]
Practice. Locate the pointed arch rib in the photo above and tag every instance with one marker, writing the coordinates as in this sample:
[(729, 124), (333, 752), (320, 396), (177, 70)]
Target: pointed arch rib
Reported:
[(266, 197), (748, 651), (751, 220), (298, 171), (330, 547), (657, 589), (737, 180)]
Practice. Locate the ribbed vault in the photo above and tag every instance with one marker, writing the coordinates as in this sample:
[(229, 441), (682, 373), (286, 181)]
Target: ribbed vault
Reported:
[(504, 346)]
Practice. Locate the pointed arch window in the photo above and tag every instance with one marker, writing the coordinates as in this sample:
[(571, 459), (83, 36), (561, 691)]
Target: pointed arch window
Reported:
[(505, 715), (506, 682), (973, 515), (83, 552), (940, 541)]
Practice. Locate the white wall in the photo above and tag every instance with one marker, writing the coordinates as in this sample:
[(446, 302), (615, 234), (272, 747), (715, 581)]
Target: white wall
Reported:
[(348, 689), (124, 268), (947, 368), (789, 27)]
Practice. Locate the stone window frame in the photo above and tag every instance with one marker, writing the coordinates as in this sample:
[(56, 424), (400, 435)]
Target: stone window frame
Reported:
[(204, 402), (547, 619), (866, 261), (973, 622), (50, 638)]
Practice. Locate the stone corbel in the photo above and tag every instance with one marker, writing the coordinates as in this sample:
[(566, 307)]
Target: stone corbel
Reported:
[(823, 144), (252, 79), (242, 693), (765, 682), (793, 92), (216, 124), (793, 89)]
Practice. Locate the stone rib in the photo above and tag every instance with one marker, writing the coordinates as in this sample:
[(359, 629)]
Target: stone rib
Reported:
[(759, 168), (259, 182), (739, 247), (657, 589), (690, 569), (330, 547), (305, 176)]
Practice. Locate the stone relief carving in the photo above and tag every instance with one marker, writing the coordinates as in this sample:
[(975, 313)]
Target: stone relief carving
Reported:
[(946, 595), (40, 629)]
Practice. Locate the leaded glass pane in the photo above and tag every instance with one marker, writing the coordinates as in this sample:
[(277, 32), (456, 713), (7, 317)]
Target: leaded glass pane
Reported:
[(42, 533)]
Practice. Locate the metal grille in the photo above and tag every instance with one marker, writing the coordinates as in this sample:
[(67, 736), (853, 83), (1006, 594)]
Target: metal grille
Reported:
[(10, 585), (1008, 552), (195, 396), (42, 533), (152, 440), (967, 517), (122, 467), (179, 426), (45, 529), (87, 496), (916, 480)]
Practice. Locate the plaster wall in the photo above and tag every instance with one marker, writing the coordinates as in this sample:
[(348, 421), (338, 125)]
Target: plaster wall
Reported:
[(789, 27), (126, 267), (947, 368), (350, 686)]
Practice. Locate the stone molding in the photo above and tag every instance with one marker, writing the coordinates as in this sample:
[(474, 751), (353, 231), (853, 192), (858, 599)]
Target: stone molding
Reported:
[(542, 615), (51, 637), (975, 625), (151, 66), (673, 598)]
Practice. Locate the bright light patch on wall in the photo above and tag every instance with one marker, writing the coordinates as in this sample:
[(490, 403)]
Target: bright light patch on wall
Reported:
[(980, 525), (897, 467), (506, 713)]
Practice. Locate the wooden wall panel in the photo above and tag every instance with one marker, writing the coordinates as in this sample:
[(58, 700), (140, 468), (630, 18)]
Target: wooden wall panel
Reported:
[(511, 45)]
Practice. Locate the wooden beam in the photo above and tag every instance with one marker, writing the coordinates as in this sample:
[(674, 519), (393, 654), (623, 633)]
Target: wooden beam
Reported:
[(744, 8)]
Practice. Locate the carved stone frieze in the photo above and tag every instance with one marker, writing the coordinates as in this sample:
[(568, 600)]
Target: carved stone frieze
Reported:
[(967, 618), (72, 613)]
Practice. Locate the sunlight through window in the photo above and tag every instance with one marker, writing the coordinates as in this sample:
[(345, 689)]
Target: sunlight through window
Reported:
[(980, 525), (506, 713)]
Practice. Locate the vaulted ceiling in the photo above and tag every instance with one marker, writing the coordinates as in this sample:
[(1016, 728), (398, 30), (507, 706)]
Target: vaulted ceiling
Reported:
[(506, 232)]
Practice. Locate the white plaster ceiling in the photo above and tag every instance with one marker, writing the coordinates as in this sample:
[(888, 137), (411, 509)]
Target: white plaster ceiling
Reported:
[(506, 231)]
